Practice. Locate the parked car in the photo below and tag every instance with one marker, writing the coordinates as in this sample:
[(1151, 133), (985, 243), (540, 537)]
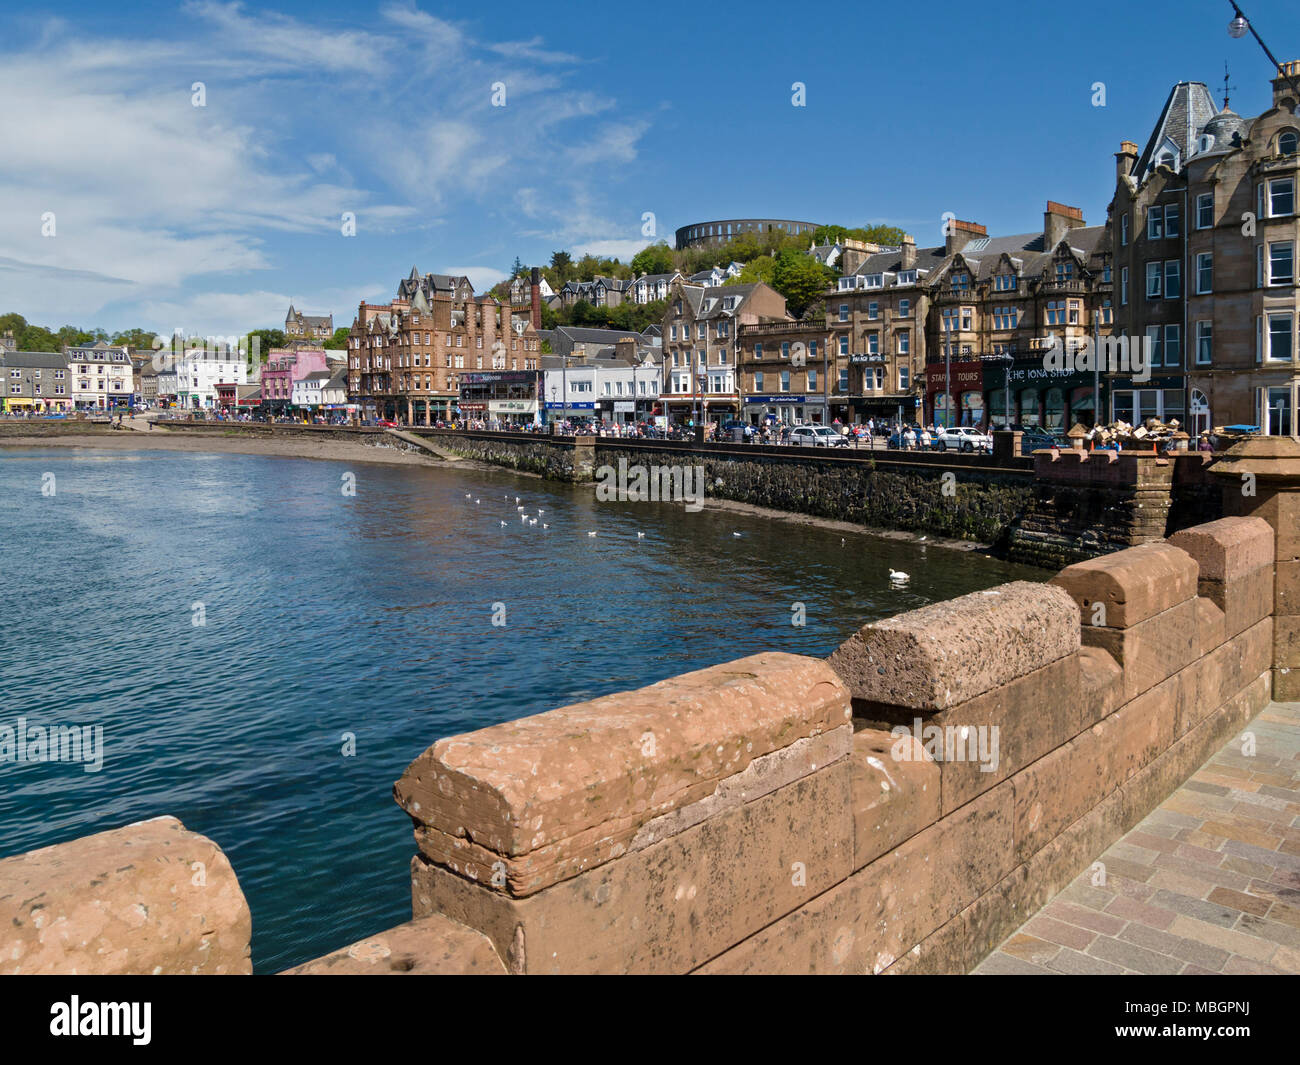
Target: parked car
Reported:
[(962, 438), (816, 436), (384, 423), (1036, 440)]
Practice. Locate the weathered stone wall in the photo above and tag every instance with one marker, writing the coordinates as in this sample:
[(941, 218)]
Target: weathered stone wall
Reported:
[(786, 814), (150, 897), (1086, 504)]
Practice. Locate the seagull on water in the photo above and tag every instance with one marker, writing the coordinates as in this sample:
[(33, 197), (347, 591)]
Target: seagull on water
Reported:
[(532, 521), (736, 535), (519, 508), (476, 502), (640, 536), (469, 495), (591, 534), (545, 525), (503, 525), (540, 512)]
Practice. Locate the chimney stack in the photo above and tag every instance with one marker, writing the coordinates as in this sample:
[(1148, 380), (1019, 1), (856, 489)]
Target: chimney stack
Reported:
[(960, 234), (1125, 159), (1058, 220), (1282, 90), (909, 252), (536, 291)]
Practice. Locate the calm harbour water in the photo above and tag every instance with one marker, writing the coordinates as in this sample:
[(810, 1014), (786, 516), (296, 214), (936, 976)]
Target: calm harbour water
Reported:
[(326, 615)]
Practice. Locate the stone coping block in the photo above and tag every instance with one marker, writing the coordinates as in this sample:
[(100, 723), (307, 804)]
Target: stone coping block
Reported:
[(148, 898), (429, 946), (1150, 651), (608, 766), (1127, 587), (946, 653), (1228, 548), (678, 902)]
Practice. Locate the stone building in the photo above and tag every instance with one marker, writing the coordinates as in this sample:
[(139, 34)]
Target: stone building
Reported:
[(308, 326), (997, 305), (407, 358), (712, 234), (1206, 231), (101, 375), (701, 346), (35, 381)]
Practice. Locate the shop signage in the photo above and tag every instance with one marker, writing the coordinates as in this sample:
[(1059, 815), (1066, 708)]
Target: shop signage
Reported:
[(774, 400)]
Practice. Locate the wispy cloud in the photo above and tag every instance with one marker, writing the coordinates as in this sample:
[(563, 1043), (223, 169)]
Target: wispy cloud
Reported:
[(161, 205)]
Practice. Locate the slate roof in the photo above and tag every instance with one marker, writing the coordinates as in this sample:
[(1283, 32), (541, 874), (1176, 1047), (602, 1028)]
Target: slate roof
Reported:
[(1188, 108), (33, 360)]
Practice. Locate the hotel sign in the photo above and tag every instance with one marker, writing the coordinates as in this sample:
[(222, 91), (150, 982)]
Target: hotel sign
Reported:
[(861, 357)]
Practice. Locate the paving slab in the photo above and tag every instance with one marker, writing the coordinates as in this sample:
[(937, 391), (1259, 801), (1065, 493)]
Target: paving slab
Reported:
[(1221, 895)]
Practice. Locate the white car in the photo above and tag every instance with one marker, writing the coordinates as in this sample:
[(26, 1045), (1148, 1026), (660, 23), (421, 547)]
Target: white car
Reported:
[(962, 438), (817, 436)]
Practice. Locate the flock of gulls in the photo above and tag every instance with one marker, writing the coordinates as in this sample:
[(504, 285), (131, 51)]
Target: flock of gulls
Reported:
[(897, 578)]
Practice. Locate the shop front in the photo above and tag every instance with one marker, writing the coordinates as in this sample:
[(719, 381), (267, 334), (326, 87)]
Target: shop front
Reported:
[(1024, 392), (513, 411), (954, 393), (786, 410)]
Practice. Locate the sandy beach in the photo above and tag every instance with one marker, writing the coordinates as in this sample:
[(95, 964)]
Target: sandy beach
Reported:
[(388, 453)]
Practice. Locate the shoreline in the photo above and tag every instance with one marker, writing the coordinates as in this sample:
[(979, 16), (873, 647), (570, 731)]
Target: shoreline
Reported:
[(275, 447)]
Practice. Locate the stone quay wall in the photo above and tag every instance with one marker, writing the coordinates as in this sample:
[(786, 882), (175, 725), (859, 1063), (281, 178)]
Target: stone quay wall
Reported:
[(898, 807), (1048, 509)]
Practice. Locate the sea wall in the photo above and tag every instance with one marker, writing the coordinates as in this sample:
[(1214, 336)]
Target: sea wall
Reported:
[(1048, 509)]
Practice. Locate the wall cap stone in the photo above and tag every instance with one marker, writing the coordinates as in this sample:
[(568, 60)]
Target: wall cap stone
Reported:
[(1131, 585), (946, 653), (1228, 548)]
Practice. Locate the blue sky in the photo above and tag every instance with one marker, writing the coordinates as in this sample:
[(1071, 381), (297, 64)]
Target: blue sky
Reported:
[(213, 218)]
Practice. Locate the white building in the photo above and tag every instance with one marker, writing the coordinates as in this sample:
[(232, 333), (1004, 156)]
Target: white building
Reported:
[(611, 386), (199, 371), (101, 374), (308, 394)]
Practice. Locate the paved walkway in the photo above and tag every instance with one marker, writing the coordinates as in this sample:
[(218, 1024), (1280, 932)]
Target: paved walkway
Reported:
[(1208, 883)]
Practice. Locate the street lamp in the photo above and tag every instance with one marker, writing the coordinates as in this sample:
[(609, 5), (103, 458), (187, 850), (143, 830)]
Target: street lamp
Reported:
[(1237, 28)]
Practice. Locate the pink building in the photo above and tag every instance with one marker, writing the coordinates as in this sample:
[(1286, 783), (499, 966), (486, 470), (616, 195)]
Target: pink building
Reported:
[(283, 368)]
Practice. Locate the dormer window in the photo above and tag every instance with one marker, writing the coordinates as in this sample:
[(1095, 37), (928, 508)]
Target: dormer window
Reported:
[(961, 282), (1287, 142), (1005, 282), (1204, 143), (1065, 271), (873, 281), (907, 277)]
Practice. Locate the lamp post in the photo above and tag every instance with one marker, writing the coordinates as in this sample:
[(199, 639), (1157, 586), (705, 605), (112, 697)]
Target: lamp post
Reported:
[(1238, 27)]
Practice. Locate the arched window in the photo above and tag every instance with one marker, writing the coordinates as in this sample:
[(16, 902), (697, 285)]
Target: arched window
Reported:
[(1287, 142)]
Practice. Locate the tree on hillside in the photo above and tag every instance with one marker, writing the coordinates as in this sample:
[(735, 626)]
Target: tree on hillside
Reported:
[(338, 342), (561, 264), (654, 259), (518, 269), (801, 279), (266, 340), (760, 269), (140, 339)]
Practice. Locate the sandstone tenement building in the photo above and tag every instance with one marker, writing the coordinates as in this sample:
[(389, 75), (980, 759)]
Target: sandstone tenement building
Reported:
[(1206, 229)]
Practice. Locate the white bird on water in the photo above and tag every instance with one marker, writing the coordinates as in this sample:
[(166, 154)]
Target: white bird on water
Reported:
[(898, 576), (469, 495), (591, 534), (516, 499), (519, 508), (532, 521), (545, 525), (503, 525), (736, 535), (540, 512), (640, 536), (476, 502)]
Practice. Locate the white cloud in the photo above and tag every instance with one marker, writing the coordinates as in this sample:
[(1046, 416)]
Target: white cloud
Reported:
[(163, 207)]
